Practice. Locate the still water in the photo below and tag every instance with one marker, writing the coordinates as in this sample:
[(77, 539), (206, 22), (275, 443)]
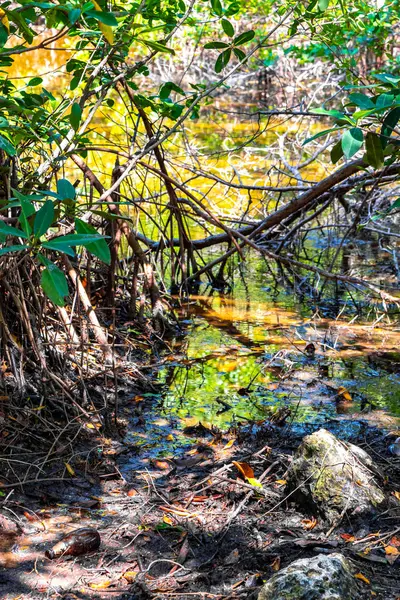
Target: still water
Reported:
[(242, 359)]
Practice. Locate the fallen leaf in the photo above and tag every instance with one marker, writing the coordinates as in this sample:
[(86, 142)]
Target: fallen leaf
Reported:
[(69, 469), (309, 524), (276, 565), (347, 537), (253, 481), (281, 481), (362, 577), (170, 438), (102, 585), (344, 394), (30, 516), (132, 492), (130, 576), (395, 541), (392, 550), (168, 520), (229, 444), (162, 464), (396, 495), (244, 469), (179, 512), (199, 499)]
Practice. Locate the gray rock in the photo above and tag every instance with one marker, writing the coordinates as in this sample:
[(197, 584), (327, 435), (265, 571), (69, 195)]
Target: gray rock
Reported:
[(319, 578), (334, 477)]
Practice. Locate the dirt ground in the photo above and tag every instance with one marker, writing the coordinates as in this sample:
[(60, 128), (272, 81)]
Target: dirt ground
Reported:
[(192, 526)]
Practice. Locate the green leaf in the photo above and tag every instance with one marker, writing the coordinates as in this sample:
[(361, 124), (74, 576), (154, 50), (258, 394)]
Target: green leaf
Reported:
[(389, 124), (361, 100), (99, 248), (167, 88), (374, 150), (19, 20), (321, 134), (217, 7), (65, 190), (59, 247), (222, 60), (3, 35), (27, 210), (384, 101), (9, 249), (73, 15), (8, 230), (337, 152), (239, 54), (35, 81), (75, 116), (104, 17), (388, 78), (215, 45), (396, 204), (336, 114), (54, 284), (228, 27), (44, 218), (76, 239), (157, 46), (244, 38), (7, 146), (323, 5), (352, 140)]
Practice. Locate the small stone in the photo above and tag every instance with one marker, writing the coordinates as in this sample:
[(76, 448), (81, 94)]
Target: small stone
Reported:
[(318, 578)]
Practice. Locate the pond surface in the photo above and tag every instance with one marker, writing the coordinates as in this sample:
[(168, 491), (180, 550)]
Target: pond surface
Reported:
[(244, 358)]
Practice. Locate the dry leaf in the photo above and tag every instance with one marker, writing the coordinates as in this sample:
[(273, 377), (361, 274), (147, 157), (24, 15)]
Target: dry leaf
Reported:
[(168, 520), (344, 394), (362, 577), (132, 492), (199, 499), (347, 537), (101, 585), (276, 565), (130, 576), (395, 541), (179, 512), (69, 469), (229, 444), (244, 469), (30, 516), (396, 495), (281, 481), (309, 524), (163, 465), (170, 438), (392, 550)]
